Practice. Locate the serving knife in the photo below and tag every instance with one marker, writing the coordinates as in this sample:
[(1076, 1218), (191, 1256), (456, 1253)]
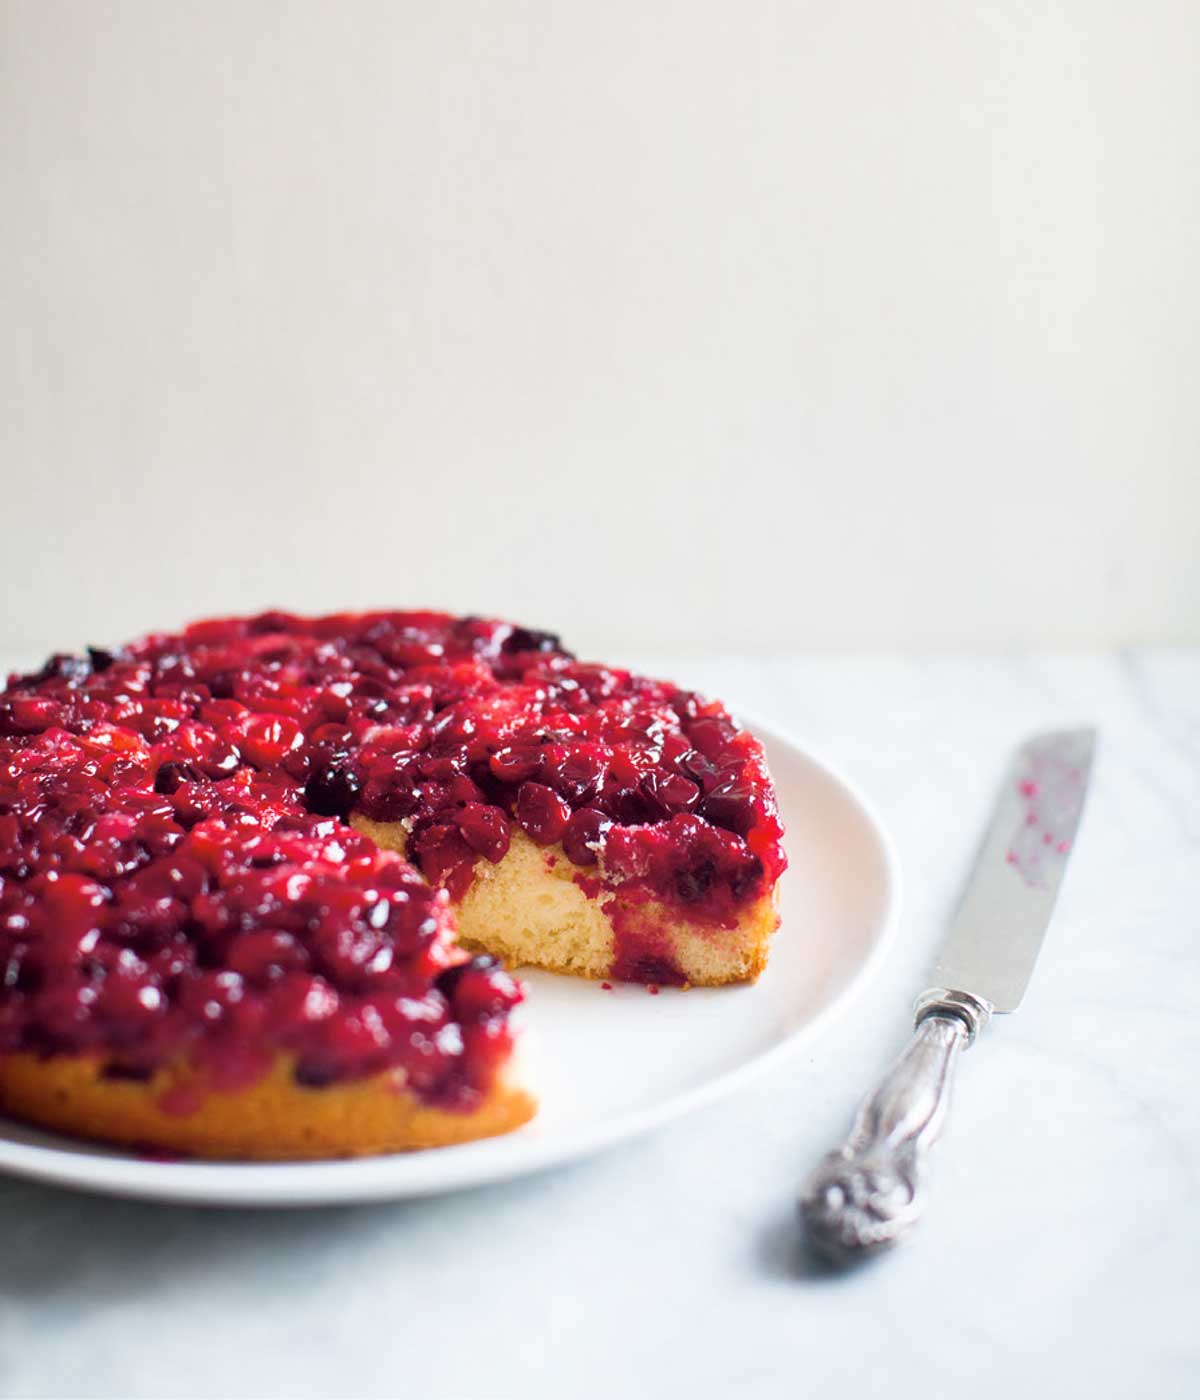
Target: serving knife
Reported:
[(868, 1193)]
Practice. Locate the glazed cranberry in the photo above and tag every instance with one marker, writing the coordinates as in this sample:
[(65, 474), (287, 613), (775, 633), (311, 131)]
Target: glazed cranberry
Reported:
[(516, 765), (746, 878), (731, 804), (479, 988), (694, 882), (444, 856), (218, 711), (29, 715), (702, 771), (73, 904), (170, 775), (578, 773), (584, 835), (297, 1002), (626, 768), (542, 813), (63, 666), (266, 955), (485, 1045), (627, 806), (128, 999), (265, 739), (527, 639), (209, 996), (668, 793), (333, 790), (711, 736), (686, 704), (221, 684), (443, 766), (485, 830), (333, 738), (391, 799), (651, 967)]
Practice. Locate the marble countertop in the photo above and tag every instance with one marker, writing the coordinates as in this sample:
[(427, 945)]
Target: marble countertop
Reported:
[(1059, 1255)]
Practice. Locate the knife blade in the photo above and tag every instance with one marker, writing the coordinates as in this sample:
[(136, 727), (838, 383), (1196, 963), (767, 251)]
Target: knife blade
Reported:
[(997, 933), (869, 1192)]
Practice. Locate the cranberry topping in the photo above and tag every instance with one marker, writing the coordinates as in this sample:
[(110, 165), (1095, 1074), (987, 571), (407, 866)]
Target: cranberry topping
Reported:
[(177, 876), (485, 830), (542, 813), (333, 789), (583, 838)]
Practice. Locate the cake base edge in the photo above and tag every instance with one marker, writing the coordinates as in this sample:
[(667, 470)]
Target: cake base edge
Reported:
[(273, 1119)]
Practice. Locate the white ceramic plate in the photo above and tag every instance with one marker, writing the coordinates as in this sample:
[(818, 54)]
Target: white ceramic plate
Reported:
[(607, 1064)]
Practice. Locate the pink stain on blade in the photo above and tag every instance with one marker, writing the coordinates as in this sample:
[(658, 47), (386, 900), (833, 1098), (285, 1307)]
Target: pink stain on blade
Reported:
[(1051, 793)]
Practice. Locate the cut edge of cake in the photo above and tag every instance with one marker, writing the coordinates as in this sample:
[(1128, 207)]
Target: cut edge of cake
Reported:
[(535, 908)]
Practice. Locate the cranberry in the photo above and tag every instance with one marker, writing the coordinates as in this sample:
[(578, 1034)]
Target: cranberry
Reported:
[(578, 774), (653, 968), (479, 988), (747, 878), (686, 704), (209, 996), (515, 765), (444, 856), (266, 955), (31, 715), (445, 766), (584, 835), (668, 793), (299, 1002), (711, 736), (702, 771), (265, 739), (731, 804), (542, 813), (170, 775), (486, 1043), (527, 639), (63, 666), (333, 790), (627, 806), (694, 882), (485, 830), (391, 799)]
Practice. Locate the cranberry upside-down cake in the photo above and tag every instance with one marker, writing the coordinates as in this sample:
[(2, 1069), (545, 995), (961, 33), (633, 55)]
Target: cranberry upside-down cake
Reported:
[(260, 880)]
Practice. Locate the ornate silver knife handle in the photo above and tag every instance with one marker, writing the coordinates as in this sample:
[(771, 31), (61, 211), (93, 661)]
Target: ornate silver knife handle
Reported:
[(865, 1195)]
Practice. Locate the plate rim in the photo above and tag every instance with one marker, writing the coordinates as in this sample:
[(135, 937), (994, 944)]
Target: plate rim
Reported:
[(371, 1180)]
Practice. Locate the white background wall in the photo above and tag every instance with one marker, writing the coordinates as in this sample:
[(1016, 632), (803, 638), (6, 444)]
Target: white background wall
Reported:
[(667, 322)]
